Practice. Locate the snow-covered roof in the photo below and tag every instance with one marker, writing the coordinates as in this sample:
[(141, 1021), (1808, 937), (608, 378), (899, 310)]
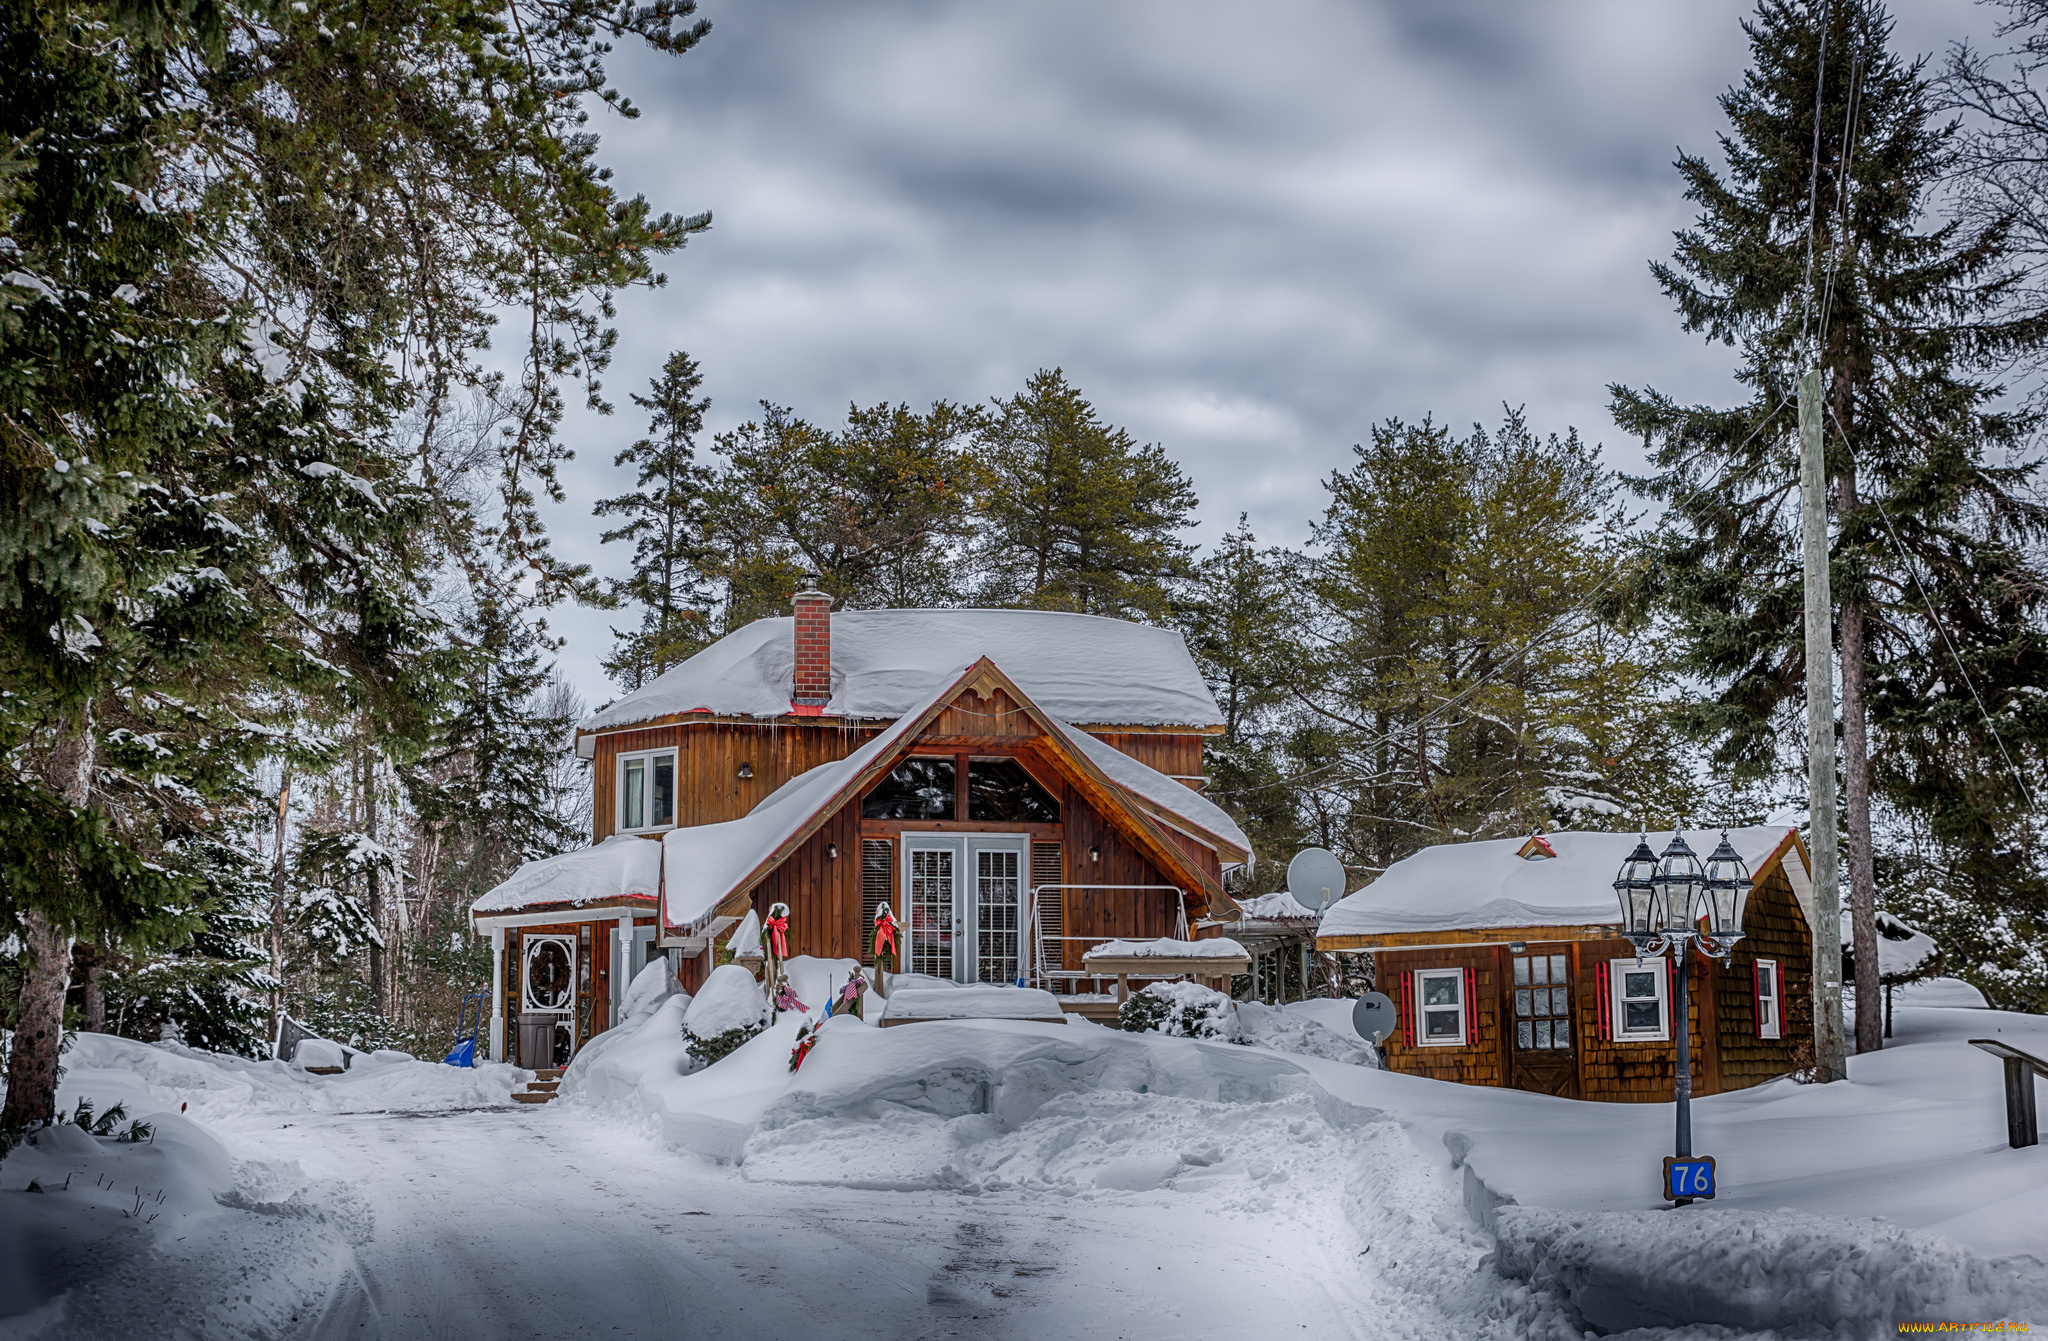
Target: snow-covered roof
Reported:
[(1178, 800), (707, 862), (1479, 886), (621, 867), (1902, 950), (1279, 906), (1079, 668)]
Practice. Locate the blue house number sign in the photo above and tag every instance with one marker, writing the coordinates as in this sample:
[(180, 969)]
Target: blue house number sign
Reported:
[(1689, 1179)]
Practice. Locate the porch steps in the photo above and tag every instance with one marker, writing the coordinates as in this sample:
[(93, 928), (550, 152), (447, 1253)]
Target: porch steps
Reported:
[(541, 1089)]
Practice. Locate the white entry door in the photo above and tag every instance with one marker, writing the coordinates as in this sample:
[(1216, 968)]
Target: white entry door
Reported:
[(963, 906)]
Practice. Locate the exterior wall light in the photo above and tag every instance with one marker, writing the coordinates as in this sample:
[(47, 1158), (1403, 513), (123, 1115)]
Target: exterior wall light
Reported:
[(1095, 854), (746, 770)]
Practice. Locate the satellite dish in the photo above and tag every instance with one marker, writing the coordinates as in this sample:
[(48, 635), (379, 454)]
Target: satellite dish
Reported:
[(1373, 1016), (1315, 878)]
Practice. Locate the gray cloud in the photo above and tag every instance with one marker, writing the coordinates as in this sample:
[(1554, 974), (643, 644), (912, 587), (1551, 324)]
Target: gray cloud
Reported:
[(1247, 232)]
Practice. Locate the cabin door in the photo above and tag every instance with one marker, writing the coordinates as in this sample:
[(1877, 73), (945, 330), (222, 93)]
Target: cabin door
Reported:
[(1541, 1035), (964, 905), (547, 1009)]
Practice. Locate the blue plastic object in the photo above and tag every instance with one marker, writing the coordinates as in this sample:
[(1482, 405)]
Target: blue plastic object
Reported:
[(463, 1055)]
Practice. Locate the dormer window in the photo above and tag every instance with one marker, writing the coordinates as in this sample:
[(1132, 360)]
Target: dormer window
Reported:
[(647, 791), (1538, 848)]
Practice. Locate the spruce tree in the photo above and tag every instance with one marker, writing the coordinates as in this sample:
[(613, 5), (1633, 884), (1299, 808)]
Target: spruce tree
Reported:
[(665, 523), (1810, 250), (1076, 515)]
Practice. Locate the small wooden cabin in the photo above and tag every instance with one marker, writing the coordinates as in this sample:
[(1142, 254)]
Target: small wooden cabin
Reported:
[(1017, 785), (1505, 960)]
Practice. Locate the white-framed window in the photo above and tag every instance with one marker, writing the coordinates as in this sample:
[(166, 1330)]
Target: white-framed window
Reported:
[(1770, 1019), (1440, 1007), (647, 791), (1641, 991)]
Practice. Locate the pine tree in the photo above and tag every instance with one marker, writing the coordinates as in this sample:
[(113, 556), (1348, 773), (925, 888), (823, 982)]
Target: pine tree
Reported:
[(1808, 250), (666, 525), (1242, 625), (1076, 515), (878, 509), (1460, 682)]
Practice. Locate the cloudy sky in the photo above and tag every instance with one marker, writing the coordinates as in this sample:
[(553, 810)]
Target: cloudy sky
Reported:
[(1246, 232)]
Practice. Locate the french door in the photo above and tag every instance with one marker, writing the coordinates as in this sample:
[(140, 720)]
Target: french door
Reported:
[(964, 906)]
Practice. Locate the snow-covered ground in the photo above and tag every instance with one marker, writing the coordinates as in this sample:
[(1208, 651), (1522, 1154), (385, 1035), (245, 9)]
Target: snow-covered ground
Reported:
[(992, 1178)]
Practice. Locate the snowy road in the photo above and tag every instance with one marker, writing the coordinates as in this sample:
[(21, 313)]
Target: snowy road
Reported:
[(542, 1223)]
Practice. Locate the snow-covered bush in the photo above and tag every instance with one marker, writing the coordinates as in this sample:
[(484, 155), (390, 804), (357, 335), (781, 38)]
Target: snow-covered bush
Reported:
[(730, 1009), (1179, 1009)]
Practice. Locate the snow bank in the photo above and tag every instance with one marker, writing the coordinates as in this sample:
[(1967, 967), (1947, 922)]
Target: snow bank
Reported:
[(1080, 668), (981, 1002), (1783, 1269), (169, 1236), (160, 1076), (1286, 1029), (729, 999), (1942, 993), (990, 1105)]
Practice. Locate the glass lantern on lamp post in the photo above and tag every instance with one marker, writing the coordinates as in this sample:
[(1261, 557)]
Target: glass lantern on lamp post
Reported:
[(1671, 902)]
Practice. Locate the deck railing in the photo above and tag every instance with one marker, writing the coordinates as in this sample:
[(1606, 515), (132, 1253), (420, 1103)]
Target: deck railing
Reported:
[(1045, 971)]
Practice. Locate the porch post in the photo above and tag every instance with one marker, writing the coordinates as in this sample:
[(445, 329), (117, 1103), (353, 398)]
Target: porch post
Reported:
[(622, 966), (498, 994)]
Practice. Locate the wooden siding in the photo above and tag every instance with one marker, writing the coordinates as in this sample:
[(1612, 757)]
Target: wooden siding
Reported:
[(1726, 1053), (1176, 755), (1774, 928), (709, 789), (822, 891), (1479, 1062), (1104, 913)]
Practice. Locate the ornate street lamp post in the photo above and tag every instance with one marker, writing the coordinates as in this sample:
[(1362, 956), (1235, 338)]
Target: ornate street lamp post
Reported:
[(1671, 902)]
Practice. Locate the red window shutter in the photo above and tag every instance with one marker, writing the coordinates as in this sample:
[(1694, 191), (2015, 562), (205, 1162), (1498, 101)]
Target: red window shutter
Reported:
[(1471, 1006), (1408, 1008), (1604, 1007), (1756, 998)]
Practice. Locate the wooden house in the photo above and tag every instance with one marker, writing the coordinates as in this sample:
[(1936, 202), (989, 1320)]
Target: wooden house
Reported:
[(1017, 785), (1507, 964)]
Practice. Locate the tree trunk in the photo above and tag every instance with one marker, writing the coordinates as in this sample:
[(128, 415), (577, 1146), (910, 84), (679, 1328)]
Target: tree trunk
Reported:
[(39, 1017), (277, 909), (92, 1019), (1856, 804), (376, 891), (39, 1025)]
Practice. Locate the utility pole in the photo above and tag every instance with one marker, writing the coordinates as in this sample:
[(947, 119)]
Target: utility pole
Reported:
[(1829, 1054)]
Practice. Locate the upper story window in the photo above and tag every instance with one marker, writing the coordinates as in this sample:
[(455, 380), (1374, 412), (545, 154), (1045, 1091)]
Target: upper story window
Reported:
[(916, 789), (647, 791), (1001, 791)]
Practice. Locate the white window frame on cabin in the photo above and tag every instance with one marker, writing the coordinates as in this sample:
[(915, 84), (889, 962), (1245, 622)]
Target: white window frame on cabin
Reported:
[(646, 759), (1423, 1012), (1770, 1023), (1659, 970)]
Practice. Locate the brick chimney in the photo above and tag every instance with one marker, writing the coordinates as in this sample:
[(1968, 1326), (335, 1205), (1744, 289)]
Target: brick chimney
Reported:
[(812, 689)]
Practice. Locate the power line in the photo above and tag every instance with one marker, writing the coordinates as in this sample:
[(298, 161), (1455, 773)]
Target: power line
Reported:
[(1535, 641), (1913, 569), (1820, 83)]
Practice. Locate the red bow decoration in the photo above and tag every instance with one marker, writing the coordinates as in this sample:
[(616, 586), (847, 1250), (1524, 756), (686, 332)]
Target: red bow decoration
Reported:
[(805, 1042), (778, 937), (885, 930)]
